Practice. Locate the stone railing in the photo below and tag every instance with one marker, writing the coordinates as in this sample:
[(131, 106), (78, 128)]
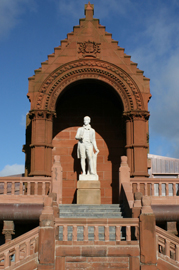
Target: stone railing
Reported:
[(19, 249), (105, 230), (167, 245), (24, 188), (156, 186)]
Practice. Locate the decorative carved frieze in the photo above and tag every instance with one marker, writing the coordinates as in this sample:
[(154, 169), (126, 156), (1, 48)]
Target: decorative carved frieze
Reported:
[(89, 48), (80, 69)]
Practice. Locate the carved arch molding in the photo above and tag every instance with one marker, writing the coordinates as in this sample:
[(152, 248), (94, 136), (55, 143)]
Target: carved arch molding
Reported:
[(120, 80)]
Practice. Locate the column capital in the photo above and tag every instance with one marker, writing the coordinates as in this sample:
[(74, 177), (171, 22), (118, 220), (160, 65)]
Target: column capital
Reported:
[(136, 115), (41, 114)]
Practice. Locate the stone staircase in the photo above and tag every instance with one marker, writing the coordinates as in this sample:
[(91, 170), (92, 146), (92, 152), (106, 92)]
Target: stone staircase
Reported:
[(91, 211)]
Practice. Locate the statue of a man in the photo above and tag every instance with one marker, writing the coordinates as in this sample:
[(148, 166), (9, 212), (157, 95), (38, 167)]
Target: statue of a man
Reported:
[(86, 141)]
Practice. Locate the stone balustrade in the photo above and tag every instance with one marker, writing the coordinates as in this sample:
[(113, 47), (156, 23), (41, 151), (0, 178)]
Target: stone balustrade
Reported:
[(167, 245), (156, 186), (123, 229), (20, 249), (23, 189)]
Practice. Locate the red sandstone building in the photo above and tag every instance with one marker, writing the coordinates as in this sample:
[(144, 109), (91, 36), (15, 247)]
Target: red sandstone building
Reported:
[(88, 74)]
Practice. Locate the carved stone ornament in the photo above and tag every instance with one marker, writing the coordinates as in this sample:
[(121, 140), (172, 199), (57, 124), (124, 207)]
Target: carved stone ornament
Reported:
[(89, 48), (89, 68)]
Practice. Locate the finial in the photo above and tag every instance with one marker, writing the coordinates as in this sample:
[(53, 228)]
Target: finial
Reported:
[(89, 11)]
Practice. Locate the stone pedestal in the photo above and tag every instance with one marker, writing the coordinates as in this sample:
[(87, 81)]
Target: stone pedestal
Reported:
[(89, 177), (8, 230), (88, 192)]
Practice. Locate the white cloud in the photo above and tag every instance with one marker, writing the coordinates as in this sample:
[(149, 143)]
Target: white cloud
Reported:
[(158, 54), (10, 11), (23, 120), (12, 170)]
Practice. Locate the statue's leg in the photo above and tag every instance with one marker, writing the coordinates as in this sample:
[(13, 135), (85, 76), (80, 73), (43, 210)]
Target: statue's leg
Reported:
[(83, 165), (83, 156), (89, 154)]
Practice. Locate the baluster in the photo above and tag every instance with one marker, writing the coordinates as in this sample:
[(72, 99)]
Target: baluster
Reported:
[(177, 253), (12, 188), (50, 187), (5, 188), (106, 233), (35, 188), (43, 188), (96, 236), (74, 237), (128, 233), (27, 248), (167, 248), (160, 189), (174, 189), (6, 259), (28, 188), (17, 254), (167, 189), (85, 233), (65, 233), (157, 248), (118, 233), (21, 188), (152, 190), (145, 189)]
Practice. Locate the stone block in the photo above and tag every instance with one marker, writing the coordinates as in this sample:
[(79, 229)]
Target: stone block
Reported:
[(134, 263), (60, 263), (64, 251), (147, 239), (88, 192), (126, 251), (149, 267), (94, 251), (46, 245)]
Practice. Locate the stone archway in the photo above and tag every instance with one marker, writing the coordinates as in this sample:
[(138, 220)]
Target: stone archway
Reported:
[(101, 102), (124, 86)]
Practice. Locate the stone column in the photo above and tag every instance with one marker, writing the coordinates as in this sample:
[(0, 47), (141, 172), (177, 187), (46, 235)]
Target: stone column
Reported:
[(136, 142), (8, 230), (41, 146), (129, 142), (47, 237), (147, 236)]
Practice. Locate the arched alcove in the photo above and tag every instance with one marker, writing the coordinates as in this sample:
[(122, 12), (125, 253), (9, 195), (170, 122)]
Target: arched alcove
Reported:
[(103, 104)]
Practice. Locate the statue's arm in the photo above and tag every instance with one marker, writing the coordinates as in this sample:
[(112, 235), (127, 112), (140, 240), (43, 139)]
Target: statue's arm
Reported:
[(94, 142), (78, 134)]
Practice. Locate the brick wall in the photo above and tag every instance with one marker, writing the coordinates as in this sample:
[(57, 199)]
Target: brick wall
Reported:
[(105, 111)]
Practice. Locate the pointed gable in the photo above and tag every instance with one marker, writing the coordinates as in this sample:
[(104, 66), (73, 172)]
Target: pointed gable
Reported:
[(88, 40)]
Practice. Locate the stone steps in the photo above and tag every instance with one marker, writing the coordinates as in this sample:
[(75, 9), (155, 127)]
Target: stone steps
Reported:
[(91, 211)]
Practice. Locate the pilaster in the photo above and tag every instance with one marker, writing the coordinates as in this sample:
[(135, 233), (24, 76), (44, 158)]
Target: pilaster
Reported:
[(41, 146), (136, 142)]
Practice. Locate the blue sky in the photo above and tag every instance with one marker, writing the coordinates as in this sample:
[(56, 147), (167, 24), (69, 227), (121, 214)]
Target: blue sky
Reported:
[(29, 31)]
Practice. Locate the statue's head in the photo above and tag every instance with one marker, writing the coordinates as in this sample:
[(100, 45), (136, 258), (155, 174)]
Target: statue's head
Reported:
[(87, 120)]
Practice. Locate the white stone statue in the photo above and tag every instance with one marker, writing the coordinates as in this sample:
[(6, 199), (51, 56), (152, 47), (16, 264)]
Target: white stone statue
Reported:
[(86, 142)]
